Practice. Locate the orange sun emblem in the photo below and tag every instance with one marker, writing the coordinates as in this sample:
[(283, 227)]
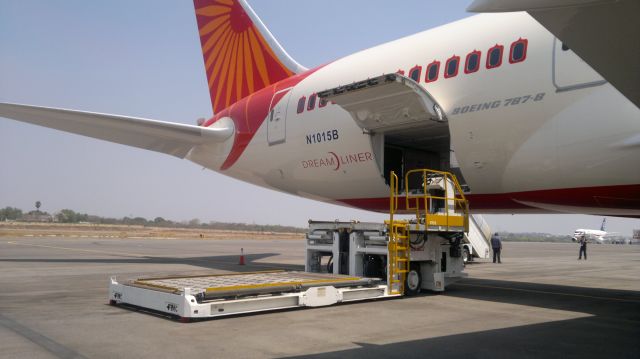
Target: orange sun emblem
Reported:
[(237, 58)]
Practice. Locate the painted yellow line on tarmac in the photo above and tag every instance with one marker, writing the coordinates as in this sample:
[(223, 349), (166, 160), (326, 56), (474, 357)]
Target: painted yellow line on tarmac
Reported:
[(548, 292)]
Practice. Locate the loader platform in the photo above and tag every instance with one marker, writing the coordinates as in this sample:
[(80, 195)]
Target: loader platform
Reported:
[(207, 296)]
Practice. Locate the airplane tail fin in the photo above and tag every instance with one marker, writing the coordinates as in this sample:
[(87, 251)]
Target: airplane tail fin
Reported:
[(604, 222), (240, 55)]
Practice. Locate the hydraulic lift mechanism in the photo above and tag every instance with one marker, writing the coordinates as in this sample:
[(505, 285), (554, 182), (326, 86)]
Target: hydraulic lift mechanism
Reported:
[(344, 261)]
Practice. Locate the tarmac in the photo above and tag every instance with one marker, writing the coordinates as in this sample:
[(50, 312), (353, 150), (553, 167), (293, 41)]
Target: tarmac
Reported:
[(540, 302)]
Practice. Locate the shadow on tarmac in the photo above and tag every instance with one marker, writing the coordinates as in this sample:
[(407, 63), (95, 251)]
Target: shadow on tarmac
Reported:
[(225, 262), (611, 331)]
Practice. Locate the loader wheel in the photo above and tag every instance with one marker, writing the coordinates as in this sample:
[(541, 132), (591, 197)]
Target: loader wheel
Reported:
[(413, 280), (466, 256)]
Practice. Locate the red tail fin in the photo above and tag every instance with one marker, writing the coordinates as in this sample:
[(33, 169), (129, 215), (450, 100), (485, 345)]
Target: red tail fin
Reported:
[(240, 54)]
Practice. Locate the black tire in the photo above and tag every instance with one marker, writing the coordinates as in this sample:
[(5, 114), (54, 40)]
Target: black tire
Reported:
[(413, 280), (466, 256)]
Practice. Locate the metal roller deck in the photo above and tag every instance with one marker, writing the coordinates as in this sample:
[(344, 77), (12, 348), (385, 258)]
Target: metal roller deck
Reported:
[(207, 296)]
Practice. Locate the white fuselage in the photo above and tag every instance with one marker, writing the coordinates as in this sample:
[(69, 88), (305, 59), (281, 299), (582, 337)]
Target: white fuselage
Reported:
[(546, 123), (590, 234)]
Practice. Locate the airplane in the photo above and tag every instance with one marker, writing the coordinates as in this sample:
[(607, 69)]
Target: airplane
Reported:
[(530, 105), (591, 234)]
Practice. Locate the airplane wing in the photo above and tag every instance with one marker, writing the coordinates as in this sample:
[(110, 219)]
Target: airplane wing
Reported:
[(171, 138), (387, 102), (604, 33)]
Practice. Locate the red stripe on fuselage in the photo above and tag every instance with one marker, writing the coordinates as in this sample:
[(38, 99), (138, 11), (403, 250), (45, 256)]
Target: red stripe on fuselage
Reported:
[(624, 197), (249, 113)]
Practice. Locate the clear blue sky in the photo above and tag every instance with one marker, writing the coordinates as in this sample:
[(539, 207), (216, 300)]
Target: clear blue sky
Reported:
[(143, 58)]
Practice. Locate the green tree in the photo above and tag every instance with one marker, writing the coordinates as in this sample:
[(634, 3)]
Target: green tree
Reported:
[(67, 216), (82, 217), (136, 221), (10, 213)]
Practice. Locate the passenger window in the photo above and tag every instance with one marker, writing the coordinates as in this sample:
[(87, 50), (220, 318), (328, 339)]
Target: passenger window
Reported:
[(415, 73), (451, 67), (432, 71), (472, 63), (312, 102), (494, 56), (301, 103), (323, 102), (518, 51)]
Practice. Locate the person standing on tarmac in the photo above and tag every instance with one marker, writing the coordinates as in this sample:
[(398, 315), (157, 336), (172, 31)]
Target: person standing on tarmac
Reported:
[(583, 247), (496, 245)]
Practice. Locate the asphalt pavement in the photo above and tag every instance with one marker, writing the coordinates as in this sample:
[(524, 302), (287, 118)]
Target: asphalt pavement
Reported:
[(540, 302)]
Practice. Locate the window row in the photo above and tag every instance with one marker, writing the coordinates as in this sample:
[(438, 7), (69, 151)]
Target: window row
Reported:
[(302, 101), (517, 53)]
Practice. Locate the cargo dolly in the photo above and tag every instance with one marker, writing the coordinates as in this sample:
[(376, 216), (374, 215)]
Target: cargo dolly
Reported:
[(219, 295), (365, 261)]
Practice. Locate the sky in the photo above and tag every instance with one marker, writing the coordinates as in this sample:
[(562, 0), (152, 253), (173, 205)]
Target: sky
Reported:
[(143, 58)]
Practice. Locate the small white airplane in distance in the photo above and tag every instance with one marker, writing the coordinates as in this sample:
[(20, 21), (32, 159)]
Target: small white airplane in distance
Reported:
[(600, 236), (591, 234), (533, 105)]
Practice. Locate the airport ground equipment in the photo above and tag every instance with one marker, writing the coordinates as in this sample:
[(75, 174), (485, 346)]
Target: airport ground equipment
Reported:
[(208, 296), (477, 242), (423, 252), (344, 261)]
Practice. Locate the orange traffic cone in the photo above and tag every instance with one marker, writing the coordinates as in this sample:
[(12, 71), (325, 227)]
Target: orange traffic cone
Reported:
[(241, 257)]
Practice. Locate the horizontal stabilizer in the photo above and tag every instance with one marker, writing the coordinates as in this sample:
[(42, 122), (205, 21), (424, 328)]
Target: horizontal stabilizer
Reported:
[(175, 139)]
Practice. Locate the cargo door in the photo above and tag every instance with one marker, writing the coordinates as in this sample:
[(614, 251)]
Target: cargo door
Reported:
[(570, 72)]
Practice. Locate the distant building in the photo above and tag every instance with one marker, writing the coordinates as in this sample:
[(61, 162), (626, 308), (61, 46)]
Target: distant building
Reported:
[(37, 216)]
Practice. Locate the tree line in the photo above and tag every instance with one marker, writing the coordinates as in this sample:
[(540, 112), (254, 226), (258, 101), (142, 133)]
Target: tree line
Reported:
[(534, 237), (71, 216)]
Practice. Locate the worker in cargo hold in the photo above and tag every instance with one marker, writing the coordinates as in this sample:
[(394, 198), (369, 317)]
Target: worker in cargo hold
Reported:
[(496, 245)]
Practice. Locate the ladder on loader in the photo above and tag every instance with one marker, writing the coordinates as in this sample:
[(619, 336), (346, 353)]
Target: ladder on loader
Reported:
[(399, 250), (451, 215)]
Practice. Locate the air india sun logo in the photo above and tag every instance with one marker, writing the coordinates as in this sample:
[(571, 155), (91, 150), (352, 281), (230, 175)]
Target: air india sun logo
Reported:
[(238, 59)]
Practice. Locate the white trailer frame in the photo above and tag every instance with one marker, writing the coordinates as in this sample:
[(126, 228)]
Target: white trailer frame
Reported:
[(186, 303)]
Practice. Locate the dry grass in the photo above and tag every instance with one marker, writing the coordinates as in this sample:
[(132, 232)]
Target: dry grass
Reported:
[(21, 229)]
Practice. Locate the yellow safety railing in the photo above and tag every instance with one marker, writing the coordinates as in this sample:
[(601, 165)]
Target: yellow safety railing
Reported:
[(453, 203), (455, 216)]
